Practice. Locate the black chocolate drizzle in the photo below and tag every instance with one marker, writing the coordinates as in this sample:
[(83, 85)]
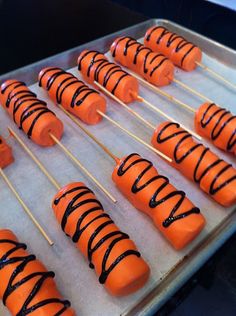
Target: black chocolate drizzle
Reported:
[(21, 97), (100, 63), (19, 84), (201, 156), (75, 203), (171, 41), (22, 261), (126, 165), (221, 123), (77, 98), (129, 42)]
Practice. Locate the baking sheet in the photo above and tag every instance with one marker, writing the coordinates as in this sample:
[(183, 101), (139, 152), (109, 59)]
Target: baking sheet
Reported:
[(75, 279)]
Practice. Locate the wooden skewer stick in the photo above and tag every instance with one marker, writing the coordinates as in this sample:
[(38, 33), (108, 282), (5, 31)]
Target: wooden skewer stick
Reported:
[(25, 207), (87, 132), (165, 94), (40, 165), (141, 99), (151, 106), (35, 159), (215, 74), (79, 164), (124, 105), (134, 136), (168, 117), (193, 91)]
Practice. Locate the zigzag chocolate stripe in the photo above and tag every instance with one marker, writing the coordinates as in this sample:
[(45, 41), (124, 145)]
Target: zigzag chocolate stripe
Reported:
[(150, 61), (67, 80), (24, 104), (222, 119), (155, 201), (171, 42), (80, 196), (99, 61), (16, 281), (217, 166)]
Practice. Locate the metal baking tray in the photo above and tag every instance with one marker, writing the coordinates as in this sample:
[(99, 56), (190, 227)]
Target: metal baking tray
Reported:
[(169, 268)]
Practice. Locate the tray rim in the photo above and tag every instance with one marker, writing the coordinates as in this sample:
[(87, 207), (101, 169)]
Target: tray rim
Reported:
[(177, 276), (221, 47), (22, 71), (158, 296)]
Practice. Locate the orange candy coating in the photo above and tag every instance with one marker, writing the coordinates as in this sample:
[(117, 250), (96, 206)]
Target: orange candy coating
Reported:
[(26, 287), (181, 52), (6, 156), (76, 97), (94, 66), (29, 113), (171, 211), (109, 251), (197, 162), (153, 67), (218, 125)]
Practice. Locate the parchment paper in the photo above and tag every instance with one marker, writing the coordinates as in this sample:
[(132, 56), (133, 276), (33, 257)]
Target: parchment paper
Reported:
[(74, 278)]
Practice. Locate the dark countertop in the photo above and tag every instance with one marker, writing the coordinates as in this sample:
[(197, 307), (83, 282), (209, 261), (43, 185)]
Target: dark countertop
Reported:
[(33, 30), (211, 291)]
